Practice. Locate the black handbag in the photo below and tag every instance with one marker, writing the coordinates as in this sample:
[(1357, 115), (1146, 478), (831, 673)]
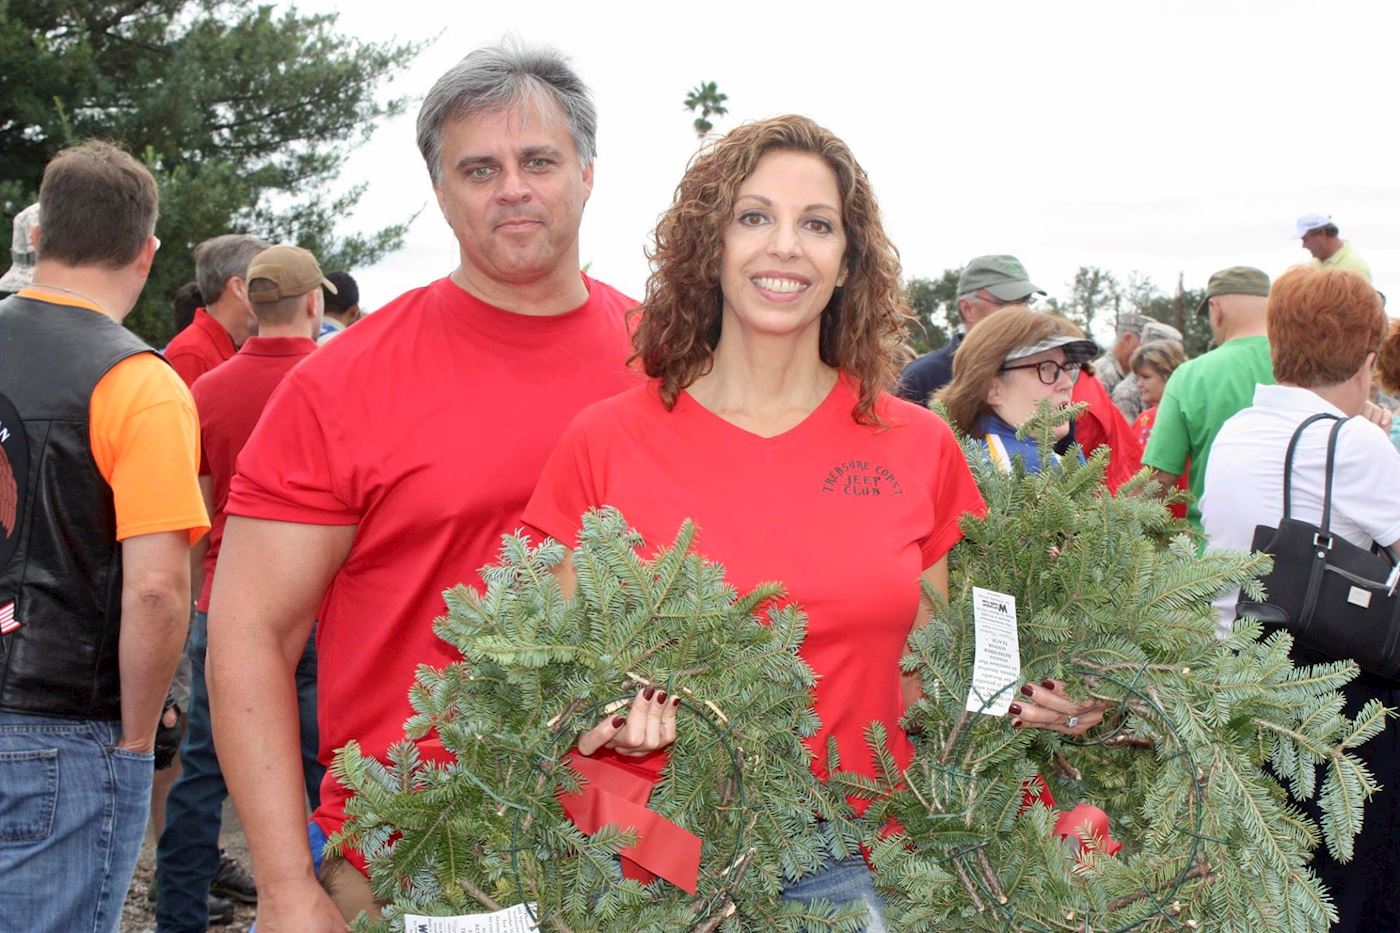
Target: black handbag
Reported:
[(1334, 597)]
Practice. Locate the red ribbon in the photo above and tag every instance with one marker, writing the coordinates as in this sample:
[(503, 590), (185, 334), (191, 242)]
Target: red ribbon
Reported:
[(1088, 825), (614, 795), (1085, 826)]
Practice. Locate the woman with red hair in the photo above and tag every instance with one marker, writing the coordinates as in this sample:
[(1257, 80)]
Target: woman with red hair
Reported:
[(1324, 327)]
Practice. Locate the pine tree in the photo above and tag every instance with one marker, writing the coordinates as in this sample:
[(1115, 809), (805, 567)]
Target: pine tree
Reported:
[(485, 830), (1201, 768)]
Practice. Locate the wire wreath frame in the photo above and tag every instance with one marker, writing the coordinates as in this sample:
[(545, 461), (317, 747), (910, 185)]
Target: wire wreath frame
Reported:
[(962, 858), (566, 737)]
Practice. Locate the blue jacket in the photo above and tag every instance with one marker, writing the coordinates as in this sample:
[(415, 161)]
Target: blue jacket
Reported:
[(1003, 446)]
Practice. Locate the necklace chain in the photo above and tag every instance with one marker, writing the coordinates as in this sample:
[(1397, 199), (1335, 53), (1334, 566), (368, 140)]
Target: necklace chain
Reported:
[(71, 291)]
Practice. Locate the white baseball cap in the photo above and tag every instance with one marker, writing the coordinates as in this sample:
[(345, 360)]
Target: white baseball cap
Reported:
[(1310, 222)]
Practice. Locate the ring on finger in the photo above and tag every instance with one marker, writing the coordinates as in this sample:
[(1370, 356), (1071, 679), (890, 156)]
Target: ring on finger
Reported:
[(1071, 722)]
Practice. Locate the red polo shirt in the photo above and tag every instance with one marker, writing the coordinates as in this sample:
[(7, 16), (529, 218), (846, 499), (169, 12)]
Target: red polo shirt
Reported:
[(230, 399), (200, 347)]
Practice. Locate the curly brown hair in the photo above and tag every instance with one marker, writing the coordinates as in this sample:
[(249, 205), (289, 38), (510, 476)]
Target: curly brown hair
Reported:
[(862, 326)]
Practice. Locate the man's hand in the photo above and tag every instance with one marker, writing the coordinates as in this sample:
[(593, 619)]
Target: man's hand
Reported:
[(300, 906), (173, 723)]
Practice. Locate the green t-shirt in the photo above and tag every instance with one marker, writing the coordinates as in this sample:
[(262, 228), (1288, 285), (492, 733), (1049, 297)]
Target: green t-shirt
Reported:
[(1345, 258), (1200, 396)]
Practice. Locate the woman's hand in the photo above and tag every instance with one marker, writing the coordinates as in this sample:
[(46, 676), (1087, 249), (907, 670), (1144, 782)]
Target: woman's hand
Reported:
[(1046, 706), (649, 724), (1377, 415)]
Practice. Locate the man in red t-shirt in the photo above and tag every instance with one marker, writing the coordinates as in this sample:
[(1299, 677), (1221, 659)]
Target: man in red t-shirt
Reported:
[(284, 286), (217, 331), (226, 320), (387, 466)]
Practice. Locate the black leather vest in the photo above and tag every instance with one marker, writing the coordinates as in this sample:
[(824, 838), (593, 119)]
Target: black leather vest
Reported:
[(62, 582)]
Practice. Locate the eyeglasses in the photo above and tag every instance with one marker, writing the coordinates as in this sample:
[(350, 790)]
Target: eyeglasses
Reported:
[(1049, 371)]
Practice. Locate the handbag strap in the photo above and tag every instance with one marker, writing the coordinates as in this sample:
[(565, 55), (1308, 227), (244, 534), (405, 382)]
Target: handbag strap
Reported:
[(1326, 530), (1288, 466), (1322, 538)]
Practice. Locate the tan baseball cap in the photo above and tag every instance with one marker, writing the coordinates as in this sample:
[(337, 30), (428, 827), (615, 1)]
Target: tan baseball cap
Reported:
[(284, 272)]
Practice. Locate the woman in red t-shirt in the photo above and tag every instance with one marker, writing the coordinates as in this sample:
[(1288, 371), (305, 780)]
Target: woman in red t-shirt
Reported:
[(769, 331)]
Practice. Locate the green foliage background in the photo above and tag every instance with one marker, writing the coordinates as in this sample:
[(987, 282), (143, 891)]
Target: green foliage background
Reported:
[(1096, 296), (244, 114)]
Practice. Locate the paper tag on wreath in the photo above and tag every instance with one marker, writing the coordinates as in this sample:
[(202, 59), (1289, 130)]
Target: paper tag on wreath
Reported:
[(511, 920), (996, 673)]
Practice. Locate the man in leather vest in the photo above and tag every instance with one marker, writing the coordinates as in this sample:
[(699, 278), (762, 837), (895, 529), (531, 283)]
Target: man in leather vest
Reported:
[(99, 503)]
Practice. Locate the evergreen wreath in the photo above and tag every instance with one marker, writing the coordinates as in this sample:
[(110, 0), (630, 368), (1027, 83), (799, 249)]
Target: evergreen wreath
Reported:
[(1201, 769), (485, 829)]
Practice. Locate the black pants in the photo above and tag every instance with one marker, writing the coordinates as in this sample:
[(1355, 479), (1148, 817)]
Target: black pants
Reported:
[(1366, 890)]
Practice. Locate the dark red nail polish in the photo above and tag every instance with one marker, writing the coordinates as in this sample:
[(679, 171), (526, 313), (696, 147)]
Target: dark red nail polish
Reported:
[(1028, 690), (675, 701), (648, 693), (1015, 709), (619, 722), (661, 697), (1048, 684), (1016, 724)]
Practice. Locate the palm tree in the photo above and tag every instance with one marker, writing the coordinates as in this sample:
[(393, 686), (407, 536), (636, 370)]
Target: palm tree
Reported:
[(706, 98)]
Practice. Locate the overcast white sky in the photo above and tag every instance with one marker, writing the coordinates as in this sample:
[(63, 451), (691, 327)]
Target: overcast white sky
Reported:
[(1151, 137)]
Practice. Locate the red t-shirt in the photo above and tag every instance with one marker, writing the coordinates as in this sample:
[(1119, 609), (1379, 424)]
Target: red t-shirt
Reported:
[(426, 424), (1102, 424), (229, 399), (200, 347), (1143, 427), (846, 516)]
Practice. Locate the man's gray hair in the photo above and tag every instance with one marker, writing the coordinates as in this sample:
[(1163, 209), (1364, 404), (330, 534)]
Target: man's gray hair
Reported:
[(495, 77), (1131, 324), (221, 258)]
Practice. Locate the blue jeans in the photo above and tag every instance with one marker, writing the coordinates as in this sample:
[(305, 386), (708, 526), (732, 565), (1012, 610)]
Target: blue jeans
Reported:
[(187, 856), (845, 882), (73, 809)]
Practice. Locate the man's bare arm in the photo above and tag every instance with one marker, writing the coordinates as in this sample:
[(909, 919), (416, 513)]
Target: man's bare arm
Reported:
[(270, 582), (201, 547), (155, 621), (1164, 480)]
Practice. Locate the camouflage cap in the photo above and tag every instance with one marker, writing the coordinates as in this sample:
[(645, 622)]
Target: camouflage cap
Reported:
[(1002, 275), (1156, 330), (1236, 280), (22, 255)]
